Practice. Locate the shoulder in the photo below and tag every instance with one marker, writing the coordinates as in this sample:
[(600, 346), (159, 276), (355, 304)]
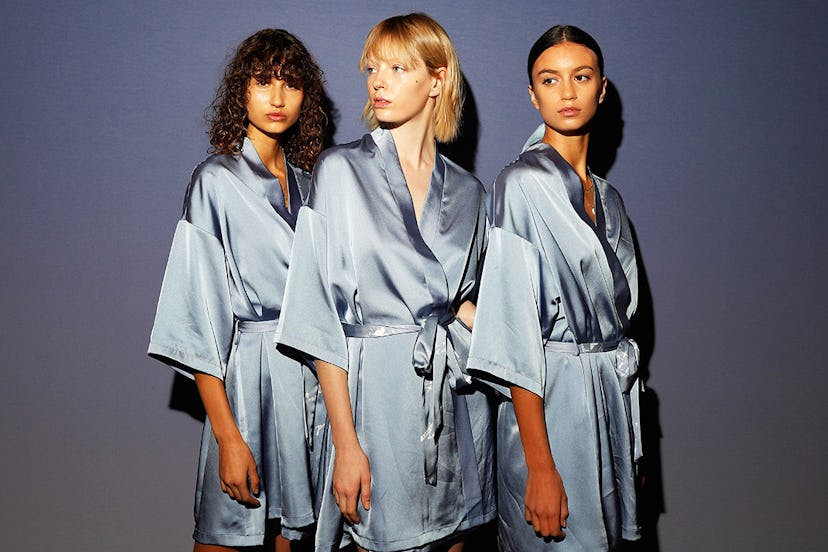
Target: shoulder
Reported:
[(461, 177), (344, 153), (609, 192), (202, 201), (335, 169)]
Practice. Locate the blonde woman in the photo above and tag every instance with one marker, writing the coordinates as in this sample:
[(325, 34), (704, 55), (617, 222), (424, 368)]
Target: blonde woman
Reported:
[(382, 297)]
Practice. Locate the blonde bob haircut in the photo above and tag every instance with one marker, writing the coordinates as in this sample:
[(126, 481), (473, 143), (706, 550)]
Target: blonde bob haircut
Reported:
[(413, 39)]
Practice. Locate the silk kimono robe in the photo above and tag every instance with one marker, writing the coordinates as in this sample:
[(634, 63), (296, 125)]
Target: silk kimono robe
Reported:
[(556, 295), (373, 292), (220, 300)]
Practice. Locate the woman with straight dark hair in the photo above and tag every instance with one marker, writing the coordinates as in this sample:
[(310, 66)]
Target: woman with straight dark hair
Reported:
[(381, 293), (222, 294), (557, 292)]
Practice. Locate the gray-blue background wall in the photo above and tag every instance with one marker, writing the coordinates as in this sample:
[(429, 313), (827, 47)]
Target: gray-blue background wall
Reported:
[(720, 162)]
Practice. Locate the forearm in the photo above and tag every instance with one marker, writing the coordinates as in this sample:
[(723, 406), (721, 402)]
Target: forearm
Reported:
[(333, 381), (214, 397), (532, 426)]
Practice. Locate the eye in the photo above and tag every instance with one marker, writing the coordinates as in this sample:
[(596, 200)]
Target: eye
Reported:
[(582, 78), (398, 69), (549, 81), (369, 70)]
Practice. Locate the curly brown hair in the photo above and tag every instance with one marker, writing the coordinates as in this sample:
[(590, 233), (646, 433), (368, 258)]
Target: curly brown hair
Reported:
[(266, 54)]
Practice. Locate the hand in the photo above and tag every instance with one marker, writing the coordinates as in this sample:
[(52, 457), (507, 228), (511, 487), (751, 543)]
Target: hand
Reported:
[(238, 475), (465, 312), (545, 505), (351, 481)]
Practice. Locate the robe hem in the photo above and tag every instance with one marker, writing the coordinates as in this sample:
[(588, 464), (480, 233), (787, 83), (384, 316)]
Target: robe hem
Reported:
[(434, 536)]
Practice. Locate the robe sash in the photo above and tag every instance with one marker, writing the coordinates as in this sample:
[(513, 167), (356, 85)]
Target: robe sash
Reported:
[(438, 351), (626, 369)]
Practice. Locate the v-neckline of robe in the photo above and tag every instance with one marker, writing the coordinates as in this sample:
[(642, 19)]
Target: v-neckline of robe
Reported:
[(426, 227), (574, 190), (270, 190)]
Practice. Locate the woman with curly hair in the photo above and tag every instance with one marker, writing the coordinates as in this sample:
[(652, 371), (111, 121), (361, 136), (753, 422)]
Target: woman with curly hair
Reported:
[(381, 291), (222, 295)]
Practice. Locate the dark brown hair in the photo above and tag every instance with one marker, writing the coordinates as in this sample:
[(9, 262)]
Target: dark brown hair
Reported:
[(266, 54), (563, 33)]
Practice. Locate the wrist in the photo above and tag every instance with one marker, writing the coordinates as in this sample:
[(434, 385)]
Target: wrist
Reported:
[(540, 462)]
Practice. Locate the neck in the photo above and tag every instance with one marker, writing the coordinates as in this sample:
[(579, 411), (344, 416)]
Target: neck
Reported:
[(414, 139), (269, 149), (572, 148)]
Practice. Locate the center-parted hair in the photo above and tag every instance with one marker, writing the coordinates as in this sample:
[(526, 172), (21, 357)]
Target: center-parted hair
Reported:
[(563, 33), (267, 54), (412, 39)]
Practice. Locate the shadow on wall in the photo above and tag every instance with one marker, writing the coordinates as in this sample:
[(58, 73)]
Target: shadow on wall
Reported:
[(650, 483), (606, 133), (463, 150), (605, 138)]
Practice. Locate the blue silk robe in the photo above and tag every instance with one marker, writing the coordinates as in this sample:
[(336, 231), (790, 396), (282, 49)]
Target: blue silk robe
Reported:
[(221, 297), (556, 295), (373, 292)]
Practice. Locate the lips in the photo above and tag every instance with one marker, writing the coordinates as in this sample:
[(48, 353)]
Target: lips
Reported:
[(277, 116), (381, 102), (569, 111)]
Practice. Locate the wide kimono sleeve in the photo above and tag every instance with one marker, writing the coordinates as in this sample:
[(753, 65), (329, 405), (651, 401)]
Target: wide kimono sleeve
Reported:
[(193, 327), (310, 319), (507, 342)]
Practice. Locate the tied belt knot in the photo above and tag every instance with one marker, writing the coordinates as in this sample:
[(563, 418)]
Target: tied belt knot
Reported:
[(440, 348), (627, 356), (310, 389)]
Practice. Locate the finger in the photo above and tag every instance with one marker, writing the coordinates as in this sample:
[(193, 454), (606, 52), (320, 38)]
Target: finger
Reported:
[(564, 512), (365, 491), (253, 476)]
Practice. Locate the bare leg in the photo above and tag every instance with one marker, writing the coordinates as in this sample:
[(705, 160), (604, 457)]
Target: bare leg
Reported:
[(199, 547), (282, 544)]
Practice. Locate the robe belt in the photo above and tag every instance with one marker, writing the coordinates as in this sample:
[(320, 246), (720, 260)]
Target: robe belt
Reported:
[(438, 350), (627, 356), (265, 326)]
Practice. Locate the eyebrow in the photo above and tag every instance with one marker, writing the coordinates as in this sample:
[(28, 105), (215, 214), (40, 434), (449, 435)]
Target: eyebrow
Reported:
[(556, 72)]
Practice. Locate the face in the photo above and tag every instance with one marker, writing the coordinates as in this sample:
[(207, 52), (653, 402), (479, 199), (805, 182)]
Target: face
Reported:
[(401, 92), (567, 87), (273, 107)]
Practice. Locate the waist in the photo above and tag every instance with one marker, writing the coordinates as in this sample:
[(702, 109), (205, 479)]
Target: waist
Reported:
[(572, 348), (385, 330), (257, 326)]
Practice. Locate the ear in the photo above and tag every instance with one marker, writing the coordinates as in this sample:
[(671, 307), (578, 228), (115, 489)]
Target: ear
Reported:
[(603, 90), (532, 97), (438, 77)]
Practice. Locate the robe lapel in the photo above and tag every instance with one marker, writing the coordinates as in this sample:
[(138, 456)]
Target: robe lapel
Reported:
[(436, 280), (255, 176)]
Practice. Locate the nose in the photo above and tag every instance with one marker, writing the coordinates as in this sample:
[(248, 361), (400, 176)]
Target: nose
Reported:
[(377, 81), (568, 90), (277, 95)]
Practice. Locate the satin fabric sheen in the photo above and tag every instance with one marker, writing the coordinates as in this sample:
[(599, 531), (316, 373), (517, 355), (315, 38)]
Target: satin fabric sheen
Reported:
[(361, 259), (220, 299), (556, 295)]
